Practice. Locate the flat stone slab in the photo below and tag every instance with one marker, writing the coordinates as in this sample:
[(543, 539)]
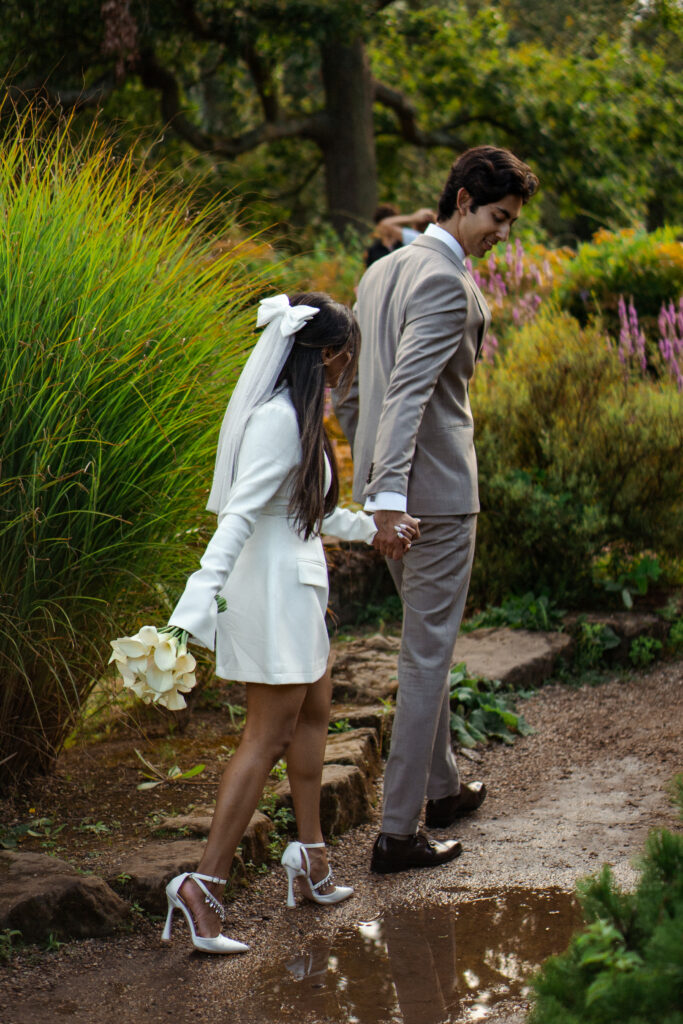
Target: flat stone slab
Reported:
[(254, 844), (144, 875), (358, 746), (345, 798), (189, 824), (42, 896), (517, 657), (365, 670)]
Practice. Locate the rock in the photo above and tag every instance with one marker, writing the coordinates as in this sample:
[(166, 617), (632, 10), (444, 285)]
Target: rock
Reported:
[(358, 746), (365, 670), (144, 876), (379, 717), (190, 824), (518, 657), (42, 896), (256, 839), (344, 799)]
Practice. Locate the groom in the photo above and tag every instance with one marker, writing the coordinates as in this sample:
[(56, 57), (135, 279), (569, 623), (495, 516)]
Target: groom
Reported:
[(423, 320)]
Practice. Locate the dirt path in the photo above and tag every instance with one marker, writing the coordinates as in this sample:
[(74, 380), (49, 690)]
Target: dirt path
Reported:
[(584, 790)]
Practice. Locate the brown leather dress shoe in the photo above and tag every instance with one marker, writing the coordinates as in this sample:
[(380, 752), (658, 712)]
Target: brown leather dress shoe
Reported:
[(442, 813), (390, 854)]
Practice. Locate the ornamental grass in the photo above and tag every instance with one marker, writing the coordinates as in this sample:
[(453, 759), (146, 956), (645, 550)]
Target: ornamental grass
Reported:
[(123, 327)]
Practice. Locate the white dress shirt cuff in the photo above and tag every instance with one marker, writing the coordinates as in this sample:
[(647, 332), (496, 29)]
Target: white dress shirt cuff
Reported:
[(386, 501)]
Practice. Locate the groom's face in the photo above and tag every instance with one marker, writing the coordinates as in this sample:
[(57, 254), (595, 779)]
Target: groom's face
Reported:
[(482, 228)]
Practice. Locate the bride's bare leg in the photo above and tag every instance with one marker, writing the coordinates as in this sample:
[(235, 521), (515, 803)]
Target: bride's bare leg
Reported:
[(272, 713), (304, 768)]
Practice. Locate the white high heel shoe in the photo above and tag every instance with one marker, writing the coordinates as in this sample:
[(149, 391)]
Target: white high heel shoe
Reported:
[(293, 860), (217, 944)]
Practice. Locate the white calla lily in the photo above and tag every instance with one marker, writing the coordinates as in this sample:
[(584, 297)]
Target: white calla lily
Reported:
[(174, 701), (129, 647), (157, 679), (165, 654), (149, 635), (184, 663)]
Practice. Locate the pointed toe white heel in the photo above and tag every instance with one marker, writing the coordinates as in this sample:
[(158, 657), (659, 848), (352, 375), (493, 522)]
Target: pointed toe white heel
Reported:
[(297, 864), (217, 944)]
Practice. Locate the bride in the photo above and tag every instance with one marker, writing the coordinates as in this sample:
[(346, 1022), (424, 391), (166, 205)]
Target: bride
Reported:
[(275, 490)]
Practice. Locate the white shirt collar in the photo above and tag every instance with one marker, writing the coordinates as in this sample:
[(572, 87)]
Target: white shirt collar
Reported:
[(435, 231)]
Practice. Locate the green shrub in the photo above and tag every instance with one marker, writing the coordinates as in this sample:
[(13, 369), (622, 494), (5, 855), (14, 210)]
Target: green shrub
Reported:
[(634, 264), (122, 331), (626, 966), (573, 455), (526, 612), (644, 650)]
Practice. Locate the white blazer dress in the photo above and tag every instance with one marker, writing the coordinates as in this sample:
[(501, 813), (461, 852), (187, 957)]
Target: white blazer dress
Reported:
[(274, 582)]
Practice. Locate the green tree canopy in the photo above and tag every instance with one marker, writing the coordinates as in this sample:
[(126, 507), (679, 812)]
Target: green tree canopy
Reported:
[(313, 103)]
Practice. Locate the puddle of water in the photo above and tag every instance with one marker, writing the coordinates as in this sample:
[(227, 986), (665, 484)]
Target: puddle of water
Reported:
[(423, 965)]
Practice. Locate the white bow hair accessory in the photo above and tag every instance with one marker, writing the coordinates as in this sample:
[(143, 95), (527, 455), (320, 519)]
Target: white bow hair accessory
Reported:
[(292, 317), (255, 386)]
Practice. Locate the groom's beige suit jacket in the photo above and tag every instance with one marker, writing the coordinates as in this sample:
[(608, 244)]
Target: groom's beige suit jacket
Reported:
[(422, 320)]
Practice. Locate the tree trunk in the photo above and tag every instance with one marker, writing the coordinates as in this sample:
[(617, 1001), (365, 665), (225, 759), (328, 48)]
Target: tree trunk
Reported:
[(349, 149)]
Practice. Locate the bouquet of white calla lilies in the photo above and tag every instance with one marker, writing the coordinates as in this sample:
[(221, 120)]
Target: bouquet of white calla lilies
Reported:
[(155, 665)]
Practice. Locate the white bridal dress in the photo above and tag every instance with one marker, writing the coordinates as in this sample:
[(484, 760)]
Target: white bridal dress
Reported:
[(274, 582)]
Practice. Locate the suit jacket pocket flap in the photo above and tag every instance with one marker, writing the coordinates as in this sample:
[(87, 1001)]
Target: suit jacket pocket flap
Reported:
[(312, 573)]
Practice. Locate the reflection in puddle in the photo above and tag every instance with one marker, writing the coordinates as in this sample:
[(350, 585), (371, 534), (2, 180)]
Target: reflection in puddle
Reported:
[(426, 965)]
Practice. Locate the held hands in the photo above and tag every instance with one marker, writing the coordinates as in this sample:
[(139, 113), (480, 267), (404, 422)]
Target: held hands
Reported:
[(395, 532)]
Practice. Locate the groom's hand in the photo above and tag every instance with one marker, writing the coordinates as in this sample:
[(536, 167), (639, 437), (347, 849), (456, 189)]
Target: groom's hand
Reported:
[(395, 531)]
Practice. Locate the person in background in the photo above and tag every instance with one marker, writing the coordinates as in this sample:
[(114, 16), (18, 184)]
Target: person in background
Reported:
[(394, 229)]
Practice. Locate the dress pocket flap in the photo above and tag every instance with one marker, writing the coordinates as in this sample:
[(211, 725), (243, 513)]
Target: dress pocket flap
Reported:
[(312, 573)]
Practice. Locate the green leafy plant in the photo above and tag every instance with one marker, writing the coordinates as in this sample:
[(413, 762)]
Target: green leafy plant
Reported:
[(675, 638), (480, 711), (97, 828), (279, 770), (593, 640), (643, 651), (341, 725), (526, 612), (629, 576), (157, 777), (9, 938)]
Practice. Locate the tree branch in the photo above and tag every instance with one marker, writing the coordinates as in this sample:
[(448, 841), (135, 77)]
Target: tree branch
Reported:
[(68, 99), (263, 82), (409, 130), (154, 76)]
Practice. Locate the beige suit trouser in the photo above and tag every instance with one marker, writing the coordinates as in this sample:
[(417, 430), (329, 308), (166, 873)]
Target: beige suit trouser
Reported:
[(432, 580)]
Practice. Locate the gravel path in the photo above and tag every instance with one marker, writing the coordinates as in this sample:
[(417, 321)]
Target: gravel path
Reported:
[(584, 790)]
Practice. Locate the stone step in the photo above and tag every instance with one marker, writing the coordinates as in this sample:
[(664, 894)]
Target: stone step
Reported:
[(42, 896), (517, 657), (358, 747), (379, 717), (345, 799)]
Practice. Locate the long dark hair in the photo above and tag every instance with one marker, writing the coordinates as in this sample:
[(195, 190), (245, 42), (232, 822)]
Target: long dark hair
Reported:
[(334, 327)]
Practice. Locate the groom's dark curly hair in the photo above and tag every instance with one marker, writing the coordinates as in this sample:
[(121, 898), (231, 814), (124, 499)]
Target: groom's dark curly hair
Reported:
[(488, 174)]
